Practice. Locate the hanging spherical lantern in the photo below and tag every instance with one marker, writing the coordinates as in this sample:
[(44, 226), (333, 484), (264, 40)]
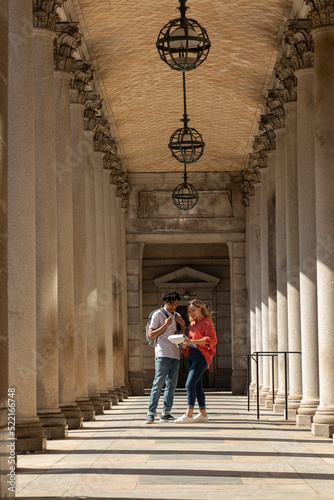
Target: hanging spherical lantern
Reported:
[(183, 43), (186, 145), (185, 196)]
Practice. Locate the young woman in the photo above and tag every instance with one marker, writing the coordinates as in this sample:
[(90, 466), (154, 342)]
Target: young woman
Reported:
[(200, 346)]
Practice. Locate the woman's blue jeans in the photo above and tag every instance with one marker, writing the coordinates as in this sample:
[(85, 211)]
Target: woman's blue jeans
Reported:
[(194, 385), (166, 369)]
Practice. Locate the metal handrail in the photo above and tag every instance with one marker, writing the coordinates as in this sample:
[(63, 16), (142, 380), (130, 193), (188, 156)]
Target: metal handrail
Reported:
[(273, 354)]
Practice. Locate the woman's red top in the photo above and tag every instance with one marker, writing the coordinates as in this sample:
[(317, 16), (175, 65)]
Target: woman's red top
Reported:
[(203, 329)]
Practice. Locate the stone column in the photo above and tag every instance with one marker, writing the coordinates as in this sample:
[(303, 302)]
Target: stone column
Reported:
[(301, 41), (81, 77), (91, 276), (103, 294), (282, 311), (238, 312), (272, 280), (292, 243), (288, 79), (117, 340), (258, 310), (252, 292), (134, 279), (264, 285), (68, 39), (323, 33), (29, 433), (49, 412)]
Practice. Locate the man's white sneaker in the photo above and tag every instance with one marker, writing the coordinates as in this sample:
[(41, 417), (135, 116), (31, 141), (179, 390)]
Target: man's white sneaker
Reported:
[(200, 419), (184, 420)]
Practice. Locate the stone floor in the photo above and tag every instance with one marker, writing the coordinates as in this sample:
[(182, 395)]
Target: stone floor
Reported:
[(234, 456)]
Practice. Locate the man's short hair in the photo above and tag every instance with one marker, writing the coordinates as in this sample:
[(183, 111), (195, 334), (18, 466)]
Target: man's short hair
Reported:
[(170, 296)]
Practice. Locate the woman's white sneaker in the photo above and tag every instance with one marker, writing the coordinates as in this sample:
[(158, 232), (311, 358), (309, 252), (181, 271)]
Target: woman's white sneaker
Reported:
[(184, 420), (200, 419)]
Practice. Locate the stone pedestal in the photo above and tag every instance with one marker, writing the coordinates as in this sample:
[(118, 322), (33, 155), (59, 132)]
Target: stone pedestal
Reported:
[(323, 422), (282, 317), (21, 232), (307, 247)]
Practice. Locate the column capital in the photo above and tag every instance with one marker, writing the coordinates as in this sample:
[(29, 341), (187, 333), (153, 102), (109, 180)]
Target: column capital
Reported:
[(82, 75), (93, 104), (247, 185), (267, 126), (120, 179), (111, 160), (299, 37), (44, 13), (285, 73), (68, 39), (275, 105), (102, 134), (321, 12)]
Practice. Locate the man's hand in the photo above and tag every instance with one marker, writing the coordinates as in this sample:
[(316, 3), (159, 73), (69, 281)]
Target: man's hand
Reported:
[(168, 322)]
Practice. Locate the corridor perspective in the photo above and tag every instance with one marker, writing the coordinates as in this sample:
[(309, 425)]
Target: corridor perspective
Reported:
[(234, 456)]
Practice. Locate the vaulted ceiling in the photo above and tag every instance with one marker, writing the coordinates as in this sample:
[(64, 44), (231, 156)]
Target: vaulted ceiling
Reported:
[(144, 97)]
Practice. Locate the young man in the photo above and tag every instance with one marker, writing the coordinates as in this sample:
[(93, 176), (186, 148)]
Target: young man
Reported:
[(167, 357)]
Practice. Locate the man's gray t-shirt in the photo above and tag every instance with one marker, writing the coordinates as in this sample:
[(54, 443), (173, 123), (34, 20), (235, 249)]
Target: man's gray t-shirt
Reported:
[(164, 348)]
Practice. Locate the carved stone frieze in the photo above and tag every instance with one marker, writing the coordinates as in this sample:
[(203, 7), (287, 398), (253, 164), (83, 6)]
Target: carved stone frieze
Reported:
[(275, 106), (256, 161), (321, 12), (44, 13), (248, 185), (120, 179), (82, 76), (285, 73), (299, 37), (68, 39), (102, 134), (93, 105)]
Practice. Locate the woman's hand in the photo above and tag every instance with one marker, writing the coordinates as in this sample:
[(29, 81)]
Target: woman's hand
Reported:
[(186, 343)]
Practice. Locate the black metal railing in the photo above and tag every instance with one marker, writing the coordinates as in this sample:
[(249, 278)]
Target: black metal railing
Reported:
[(255, 357)]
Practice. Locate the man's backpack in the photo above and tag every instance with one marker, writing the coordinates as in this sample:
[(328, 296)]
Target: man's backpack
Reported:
[(150, 341)]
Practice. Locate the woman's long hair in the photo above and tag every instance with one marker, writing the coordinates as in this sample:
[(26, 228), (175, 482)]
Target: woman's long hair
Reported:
[(198, 303)]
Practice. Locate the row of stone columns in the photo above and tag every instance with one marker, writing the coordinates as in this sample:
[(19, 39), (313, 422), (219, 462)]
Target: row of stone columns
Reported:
[(66, 205), (294, 275)]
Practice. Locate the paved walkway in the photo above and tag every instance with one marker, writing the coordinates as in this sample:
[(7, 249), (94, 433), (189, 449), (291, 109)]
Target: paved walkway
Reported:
[(235, 456)]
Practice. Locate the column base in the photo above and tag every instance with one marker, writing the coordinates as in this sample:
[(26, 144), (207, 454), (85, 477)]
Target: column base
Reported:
[(119, 393), (97, 404), (30, 436), (323, 423), (87, 409), (279, 408), (129, 388), (73, 416), (125, 392), (304, 420), (292, 414), (136, 380), (106, 400), (113, 396), (54, 424)]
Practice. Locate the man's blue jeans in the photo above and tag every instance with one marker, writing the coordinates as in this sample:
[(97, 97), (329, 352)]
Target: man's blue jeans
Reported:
[(194, 384), (166, 369)]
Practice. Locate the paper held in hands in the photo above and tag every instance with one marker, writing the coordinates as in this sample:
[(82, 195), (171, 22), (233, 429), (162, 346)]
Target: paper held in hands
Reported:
[(177, 339)]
